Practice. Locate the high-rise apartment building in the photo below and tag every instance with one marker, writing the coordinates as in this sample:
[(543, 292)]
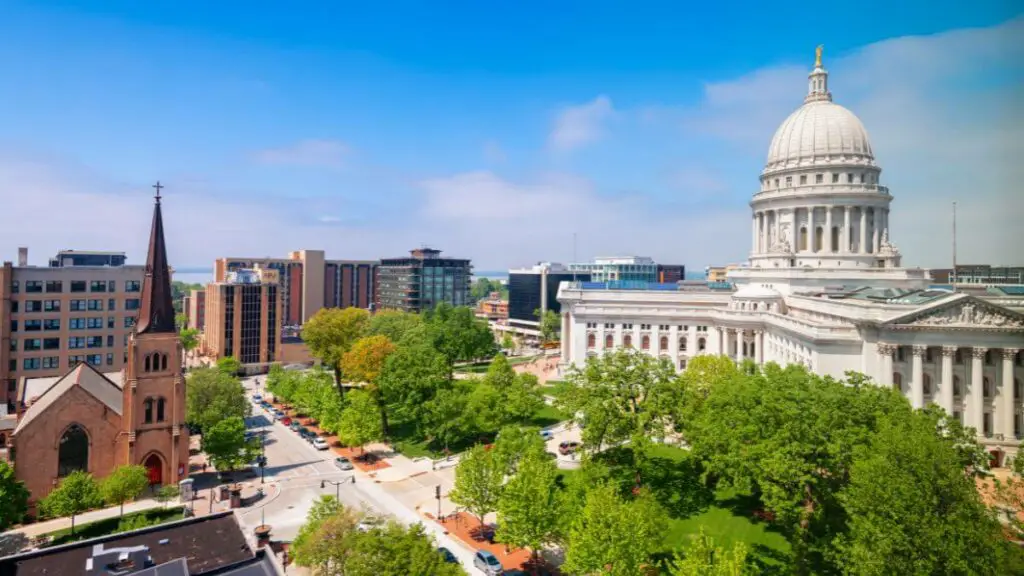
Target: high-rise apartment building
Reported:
[(243, 317), (55, 316), (536, 288), (422, 280), (195, 309), (309, 282)]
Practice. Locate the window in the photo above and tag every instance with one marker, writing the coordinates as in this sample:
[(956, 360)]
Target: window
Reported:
[(609, 342), (129, 321), (926, 381), (111, 286), (929, 355), (33, 325), (73, 360), (160, 404), (73, 453), (78, 285), (645, 342), (33, 306), (98, 286), (987, 424), (958, 357), (163, 362), (591, 340), (131, 304), (55, 286), (75, 342), (110, 358), (627, 341), (776, 182), (31, 363), (701, 344), (682, 344), (901, 353), (95, 304), (627, 326), (110, 341), (94, 323), (147, 410), (861, 177), (51, 305), (682, 363), (14, 305), (803, 179), (663, 327), (94, 359), (663, 344), (33, 286), (14, 325), (33, 344), (835, 178), (132, 285), (789, 180), (897, 381), (14, 287), (51, 362), (849, 178), (51, 343), (819, 178), (76, 324), (986, 387), (77, 305), (110, 321), (111, 304), (988, 357), (94, 342)]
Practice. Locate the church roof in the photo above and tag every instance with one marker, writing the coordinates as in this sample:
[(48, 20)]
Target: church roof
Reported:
[(156, 313), (88, 379)]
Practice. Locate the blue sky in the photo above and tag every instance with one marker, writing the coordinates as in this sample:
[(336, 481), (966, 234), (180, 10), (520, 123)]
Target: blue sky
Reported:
[(490, 132)]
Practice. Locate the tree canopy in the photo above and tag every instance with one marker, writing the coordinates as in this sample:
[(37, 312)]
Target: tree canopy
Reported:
[(226, 446), (124, 484), (76, 493), (13, 497), (478, 482), (213, 395), (331, 332), (458, 334), (394, 324), (550, 325), (529, 507), (360, 420)]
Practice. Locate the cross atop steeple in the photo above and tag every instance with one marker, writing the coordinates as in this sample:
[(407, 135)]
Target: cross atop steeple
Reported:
[(156, 311), (158, 188)]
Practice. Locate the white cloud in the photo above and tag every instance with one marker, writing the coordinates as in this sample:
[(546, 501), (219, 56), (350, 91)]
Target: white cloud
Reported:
[(579, 125), (327, 153)]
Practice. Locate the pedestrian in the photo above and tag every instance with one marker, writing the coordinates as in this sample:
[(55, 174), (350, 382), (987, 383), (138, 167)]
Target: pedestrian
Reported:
[(204, 467)]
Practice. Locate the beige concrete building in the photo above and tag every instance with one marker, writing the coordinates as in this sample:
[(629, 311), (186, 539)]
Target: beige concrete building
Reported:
[(243, 318), (195, 309), (56, 316)]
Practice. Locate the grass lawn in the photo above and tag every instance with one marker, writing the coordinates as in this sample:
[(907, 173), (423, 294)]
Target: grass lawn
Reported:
[(481, 367), (555, 388), (132, 521), (547, 416)]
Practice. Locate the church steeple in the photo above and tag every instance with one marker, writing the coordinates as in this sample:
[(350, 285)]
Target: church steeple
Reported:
[(156, 313)]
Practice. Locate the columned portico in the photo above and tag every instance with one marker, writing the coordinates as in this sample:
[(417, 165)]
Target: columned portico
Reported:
[(885, 352), (1006, 397), (739, 344), (759, 347), (917, 377), (946, 379), (976, 406)]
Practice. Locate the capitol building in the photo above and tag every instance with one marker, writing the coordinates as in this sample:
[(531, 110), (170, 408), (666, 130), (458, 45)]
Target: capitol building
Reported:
[(824, 286)]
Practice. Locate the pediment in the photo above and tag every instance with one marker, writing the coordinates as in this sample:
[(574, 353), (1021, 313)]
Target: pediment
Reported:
[(965, 312)]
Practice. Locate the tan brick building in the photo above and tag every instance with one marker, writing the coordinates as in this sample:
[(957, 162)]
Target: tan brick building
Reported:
[(243, 318), (195, 309), (87, 420), (78, 309)]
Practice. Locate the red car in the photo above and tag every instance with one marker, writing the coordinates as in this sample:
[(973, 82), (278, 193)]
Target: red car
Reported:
[(286, 421), (568, 447)]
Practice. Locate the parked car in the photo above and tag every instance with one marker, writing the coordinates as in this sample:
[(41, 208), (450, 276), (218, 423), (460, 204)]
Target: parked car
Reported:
[(307, 434), (295, 425), (566, 448), (286, 421), (487, 563), (343, 463), (320, 444), (447, 555), (278, 415), (257, 398), (546, 434)]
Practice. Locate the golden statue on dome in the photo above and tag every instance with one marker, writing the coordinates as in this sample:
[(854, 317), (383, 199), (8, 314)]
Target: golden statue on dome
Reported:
[(817, 55)]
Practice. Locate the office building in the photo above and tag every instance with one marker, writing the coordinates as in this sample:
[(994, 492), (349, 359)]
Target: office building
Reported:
[(55, 316), (243, 318), (719, 274), (195, 309), (492, 307), (536, 288), (619, 269), (309, 282), (671, 273), (422, 280), (979, 274)]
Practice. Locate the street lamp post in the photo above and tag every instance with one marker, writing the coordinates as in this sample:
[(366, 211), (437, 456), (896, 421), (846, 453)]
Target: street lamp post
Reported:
[(337, 485)]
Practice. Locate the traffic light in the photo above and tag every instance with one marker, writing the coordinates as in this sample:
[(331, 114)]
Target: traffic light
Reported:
[(437, 492)]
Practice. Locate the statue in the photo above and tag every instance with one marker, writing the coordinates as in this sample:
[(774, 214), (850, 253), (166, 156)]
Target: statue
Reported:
[(817, 55), (886, 248), (781, 244)]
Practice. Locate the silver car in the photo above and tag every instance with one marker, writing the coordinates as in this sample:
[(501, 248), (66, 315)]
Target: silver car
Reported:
[(343, 463), (487, 563)]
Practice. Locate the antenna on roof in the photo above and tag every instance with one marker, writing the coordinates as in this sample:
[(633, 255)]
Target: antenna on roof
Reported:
[(574, 256), (954, 246)]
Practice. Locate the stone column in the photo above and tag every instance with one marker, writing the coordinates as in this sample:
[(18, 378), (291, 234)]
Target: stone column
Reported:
[(739, 346), (885, 352), (863, 245), (876, 220), (673, 344), (976, 409), (810, 230), (759, 347), (917, 377), (778, 226), (721, 340), (1007, 400), (753, 233), (946, 392), (844, 242), (827, 236), (566, 334)]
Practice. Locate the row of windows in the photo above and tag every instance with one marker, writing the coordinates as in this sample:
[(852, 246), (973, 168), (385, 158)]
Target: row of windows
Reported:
[(820, 179), (988, 387), (53, 362), (93, 323), (153, 407), (931, 355), (645, 342), (661, 327), (130, 304), (57, 286)]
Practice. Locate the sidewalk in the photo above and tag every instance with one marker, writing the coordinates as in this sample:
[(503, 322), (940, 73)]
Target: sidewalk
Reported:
[(40, 528)]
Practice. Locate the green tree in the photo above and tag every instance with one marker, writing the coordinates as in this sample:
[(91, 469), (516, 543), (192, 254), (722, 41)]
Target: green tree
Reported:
[(394, 324), (325, 537), (410, 379), (508, 343), (166, 493), (181, 321), (212, 395), (395, 550), (703, 558), (529, 506), (13, 497), (229, 366), (283, 383), (478, 482), (189, 340), (485, 413), (458, 334), (514, 443), (445, 419), (550, 324), (483, 287), (364, 363), (360, 420), (124, 484), (226, 446), (614, 536), (915, 476), (331, 332), (78, 492)]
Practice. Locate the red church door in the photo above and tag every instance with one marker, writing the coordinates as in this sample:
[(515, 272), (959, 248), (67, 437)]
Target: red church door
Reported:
[(154, 469)]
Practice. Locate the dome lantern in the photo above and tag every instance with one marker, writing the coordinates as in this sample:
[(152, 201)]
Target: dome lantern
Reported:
[(817, 89)]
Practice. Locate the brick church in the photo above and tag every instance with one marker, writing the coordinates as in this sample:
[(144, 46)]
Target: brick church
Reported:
[(86, 420)]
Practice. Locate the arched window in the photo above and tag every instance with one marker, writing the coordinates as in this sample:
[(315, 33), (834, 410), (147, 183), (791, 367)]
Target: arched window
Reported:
[(663, 344), (701, 344), (645, 342), (926, 382), (73, 452), (147, 410), (834, 246), (148, 367), (609, 342), (160, 405), (986, 387), (163, 362), (803, 238), (958, 356), (591, 340), (897, 381), (682, 344), (627, 341), (958, 389)]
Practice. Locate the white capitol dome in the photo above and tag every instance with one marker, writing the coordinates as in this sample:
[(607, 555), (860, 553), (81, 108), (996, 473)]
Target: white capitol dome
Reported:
[(819, 133)]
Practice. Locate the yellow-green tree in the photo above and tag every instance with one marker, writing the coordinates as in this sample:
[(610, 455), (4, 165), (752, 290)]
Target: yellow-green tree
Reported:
[(331, 332), (364, 362)]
